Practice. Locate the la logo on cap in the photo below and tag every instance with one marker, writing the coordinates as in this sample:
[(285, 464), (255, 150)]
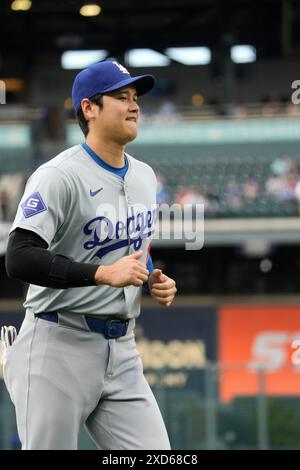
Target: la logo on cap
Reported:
[(121, 67)]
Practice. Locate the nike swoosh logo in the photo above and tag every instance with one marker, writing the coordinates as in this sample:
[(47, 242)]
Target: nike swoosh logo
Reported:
[(94, 193)]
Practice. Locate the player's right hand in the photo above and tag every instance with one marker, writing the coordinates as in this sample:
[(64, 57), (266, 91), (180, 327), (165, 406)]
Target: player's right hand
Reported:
[(127, 271)]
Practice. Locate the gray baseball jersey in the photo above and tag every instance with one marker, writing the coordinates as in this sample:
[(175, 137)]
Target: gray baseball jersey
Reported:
[(61, 375), (92, 215)]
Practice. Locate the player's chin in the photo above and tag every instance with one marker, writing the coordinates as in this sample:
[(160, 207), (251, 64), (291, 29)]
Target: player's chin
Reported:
[(131, 131)]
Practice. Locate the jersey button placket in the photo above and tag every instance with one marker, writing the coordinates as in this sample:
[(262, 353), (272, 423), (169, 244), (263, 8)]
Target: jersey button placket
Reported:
[(127, 204)]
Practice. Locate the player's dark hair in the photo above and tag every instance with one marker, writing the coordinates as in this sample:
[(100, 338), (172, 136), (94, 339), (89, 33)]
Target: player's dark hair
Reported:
[(83, 123)]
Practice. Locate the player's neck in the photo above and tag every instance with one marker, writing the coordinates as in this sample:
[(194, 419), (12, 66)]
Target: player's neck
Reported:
[(112, 152)]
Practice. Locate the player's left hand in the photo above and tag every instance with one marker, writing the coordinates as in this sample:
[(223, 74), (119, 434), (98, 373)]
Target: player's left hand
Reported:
[(162, 288)]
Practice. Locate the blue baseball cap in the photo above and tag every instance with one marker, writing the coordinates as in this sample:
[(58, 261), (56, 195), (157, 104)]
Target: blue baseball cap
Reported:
[(104, 77)]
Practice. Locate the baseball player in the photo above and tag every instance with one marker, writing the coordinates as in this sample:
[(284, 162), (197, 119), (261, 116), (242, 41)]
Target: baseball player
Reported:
[(81, 239)]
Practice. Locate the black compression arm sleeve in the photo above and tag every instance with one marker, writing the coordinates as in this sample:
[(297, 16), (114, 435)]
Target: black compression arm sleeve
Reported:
[(28, 259)]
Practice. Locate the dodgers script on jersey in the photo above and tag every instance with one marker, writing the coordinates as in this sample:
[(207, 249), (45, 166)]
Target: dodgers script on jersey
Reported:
[(93, 216)]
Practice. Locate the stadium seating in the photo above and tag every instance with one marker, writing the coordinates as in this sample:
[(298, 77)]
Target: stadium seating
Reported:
[(237, 185)]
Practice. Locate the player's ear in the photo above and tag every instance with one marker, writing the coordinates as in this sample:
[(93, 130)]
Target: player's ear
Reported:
[(87, 108)]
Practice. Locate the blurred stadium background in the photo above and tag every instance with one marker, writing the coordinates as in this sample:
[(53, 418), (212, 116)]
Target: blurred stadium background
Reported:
[(220, 128)]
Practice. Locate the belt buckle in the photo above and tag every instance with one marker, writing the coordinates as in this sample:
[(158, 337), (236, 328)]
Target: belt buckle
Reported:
[(111, 331)]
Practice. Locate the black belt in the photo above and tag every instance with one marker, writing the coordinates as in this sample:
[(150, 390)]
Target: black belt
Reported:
[(109, 328)]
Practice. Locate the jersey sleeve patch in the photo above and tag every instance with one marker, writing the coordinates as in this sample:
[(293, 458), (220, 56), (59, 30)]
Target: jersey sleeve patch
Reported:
[(33, 205)]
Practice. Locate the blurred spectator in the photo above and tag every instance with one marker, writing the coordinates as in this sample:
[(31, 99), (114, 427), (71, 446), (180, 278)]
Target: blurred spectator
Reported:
[(283, 180), (279, 166), (188, 196), (291, 165), (233, 109), (288, 192), (250, 189), (191, 196), (167, 111), (281, 187), (272, 105), (234, 195), (274, 185)]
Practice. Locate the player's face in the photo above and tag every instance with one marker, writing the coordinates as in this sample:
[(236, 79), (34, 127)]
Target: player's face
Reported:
[(118, 118)]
